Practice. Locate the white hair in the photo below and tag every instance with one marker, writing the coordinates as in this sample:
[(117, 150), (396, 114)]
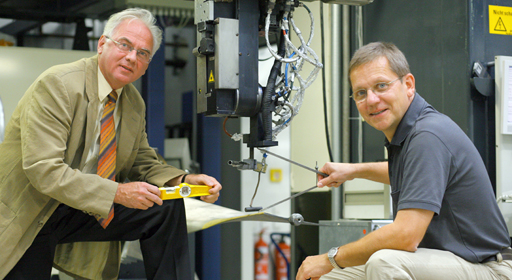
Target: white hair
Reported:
[(135, 13)]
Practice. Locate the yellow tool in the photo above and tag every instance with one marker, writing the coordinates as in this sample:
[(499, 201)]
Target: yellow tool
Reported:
[(183, 190)]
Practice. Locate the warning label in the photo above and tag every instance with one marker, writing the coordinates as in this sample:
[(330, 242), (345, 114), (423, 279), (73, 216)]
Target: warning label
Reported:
[(500, 20), (211, 79)]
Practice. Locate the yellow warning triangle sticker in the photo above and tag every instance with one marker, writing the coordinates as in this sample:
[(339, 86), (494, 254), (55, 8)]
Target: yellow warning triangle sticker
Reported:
[(500, 26), (211, 79), (500, 20)]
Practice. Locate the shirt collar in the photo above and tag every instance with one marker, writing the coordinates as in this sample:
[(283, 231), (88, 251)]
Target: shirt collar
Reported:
[(408, 121), (104, 89)]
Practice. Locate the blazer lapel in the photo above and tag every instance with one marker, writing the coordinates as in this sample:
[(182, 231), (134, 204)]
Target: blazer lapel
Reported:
[(130, 122), (91, 90)]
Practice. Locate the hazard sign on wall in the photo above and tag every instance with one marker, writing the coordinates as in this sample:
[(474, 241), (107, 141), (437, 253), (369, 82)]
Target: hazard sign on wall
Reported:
[(500, 20)]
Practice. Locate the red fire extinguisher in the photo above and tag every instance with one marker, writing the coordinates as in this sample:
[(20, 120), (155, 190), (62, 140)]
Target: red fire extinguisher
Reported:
[(261, 259), (282, 257)]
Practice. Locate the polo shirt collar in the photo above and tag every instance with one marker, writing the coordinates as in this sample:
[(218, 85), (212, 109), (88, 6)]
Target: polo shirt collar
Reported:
[(408, 121)]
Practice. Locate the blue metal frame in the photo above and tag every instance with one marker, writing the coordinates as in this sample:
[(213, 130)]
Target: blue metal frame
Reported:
[(153, 93), (208, 252)]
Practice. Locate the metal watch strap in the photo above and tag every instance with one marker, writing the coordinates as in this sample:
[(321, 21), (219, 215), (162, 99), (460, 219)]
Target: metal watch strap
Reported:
[(331, 257)]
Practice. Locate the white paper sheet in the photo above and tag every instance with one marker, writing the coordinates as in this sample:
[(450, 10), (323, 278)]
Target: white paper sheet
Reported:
[(202, 215)]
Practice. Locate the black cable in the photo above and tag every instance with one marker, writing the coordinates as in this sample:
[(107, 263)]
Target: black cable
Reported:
[(323, 81), (256, 189), (267, 101)]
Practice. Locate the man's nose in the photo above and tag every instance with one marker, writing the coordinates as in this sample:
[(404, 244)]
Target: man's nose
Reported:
[(371, 97), (132, 55)]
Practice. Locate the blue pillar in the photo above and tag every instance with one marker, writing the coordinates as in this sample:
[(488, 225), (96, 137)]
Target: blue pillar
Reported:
[(153, 93), (208, 263)]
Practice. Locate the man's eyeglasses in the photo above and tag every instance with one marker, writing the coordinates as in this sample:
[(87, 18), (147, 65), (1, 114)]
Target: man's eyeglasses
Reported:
[(142, 55), (378, 89)]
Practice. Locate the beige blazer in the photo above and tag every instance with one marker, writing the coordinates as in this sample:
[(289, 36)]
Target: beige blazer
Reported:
[(43, 154)]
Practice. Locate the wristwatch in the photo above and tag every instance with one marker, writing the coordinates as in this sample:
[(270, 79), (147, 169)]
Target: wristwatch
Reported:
[(331, 254)]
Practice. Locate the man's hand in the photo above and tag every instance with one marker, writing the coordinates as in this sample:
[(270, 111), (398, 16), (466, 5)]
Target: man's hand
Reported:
[(202, 179), (313, 267), (338, 174), (137, 195)]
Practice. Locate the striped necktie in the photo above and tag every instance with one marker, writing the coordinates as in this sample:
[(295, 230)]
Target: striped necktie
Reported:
[(107, 155)]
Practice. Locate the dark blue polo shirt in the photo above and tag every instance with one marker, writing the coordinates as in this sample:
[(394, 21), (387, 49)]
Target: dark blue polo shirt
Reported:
[(433, 165)]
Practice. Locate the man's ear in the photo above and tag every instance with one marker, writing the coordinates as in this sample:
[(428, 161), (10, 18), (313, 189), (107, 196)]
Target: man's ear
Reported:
[(101, 42), (410, 83)]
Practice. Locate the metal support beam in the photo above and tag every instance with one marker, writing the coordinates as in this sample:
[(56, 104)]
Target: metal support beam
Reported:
[(153, 93), (336, 25), (20, 26), (81, 40), (208, 251)]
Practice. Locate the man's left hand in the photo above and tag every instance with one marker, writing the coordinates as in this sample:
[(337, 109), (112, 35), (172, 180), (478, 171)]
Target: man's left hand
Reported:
[(313, 267), (202, 179)]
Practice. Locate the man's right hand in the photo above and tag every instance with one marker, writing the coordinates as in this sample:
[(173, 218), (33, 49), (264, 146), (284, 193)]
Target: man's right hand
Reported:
[(139, 195), (339, 173)]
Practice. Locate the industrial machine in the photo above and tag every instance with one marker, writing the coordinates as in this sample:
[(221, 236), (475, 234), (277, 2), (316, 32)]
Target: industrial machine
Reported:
[(229, 36)]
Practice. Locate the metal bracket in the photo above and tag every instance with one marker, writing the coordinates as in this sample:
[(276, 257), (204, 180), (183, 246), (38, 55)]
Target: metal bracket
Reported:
[(249, 164), (482, 81)]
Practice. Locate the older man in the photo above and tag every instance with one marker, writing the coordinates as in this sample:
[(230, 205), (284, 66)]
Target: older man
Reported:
[(76, 168), (447, 224)]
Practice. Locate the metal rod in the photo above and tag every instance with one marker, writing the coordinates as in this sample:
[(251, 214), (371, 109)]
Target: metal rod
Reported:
[(296, 163), (340, 20), (288, 198)]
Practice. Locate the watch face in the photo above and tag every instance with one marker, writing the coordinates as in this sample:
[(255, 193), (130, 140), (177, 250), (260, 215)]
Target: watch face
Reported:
[(332, 252)]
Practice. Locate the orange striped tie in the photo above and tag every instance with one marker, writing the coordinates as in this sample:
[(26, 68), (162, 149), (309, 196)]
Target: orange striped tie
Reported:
[(107, 156)]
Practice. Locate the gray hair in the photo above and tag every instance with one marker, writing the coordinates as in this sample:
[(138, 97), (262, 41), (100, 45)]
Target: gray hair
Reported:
[(373, 51), (135, 13)]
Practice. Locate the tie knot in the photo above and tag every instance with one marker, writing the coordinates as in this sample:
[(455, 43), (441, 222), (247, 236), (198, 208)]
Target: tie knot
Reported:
[(113, 96)]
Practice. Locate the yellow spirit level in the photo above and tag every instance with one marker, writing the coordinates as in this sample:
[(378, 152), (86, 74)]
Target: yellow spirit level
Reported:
[(183, 190)]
